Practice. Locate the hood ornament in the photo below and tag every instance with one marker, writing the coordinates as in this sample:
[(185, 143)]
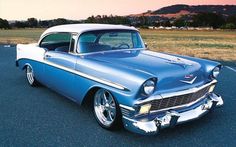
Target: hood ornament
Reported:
[(187, 77), (180, 63)]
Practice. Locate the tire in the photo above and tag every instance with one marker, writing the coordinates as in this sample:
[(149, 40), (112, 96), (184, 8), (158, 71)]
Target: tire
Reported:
[(106, 110), (30, 76)]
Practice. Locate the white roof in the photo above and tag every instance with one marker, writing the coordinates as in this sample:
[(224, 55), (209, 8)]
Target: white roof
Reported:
[(80, 28)]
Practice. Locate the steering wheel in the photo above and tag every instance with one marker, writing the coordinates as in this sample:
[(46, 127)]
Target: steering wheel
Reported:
[(124, 46)]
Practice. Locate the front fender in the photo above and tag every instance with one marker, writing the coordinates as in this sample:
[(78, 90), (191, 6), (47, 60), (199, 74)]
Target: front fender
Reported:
[(207, 65)]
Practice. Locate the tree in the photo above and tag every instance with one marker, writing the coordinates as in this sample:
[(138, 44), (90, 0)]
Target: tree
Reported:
[(4, 24), (32, 22), (20, 24), (166, 23), (231, 19), (43, 23), (229, 26), (179, 22), (90, 19), (208, 20), (60, 21), (108, 19)]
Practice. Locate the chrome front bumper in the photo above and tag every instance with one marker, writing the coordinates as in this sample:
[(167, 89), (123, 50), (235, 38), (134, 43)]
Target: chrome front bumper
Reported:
[(173, 117)]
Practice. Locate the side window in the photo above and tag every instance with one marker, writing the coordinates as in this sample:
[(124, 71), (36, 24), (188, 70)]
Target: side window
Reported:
[(60, 42), (137, 43), (88, 38), (86, 42)]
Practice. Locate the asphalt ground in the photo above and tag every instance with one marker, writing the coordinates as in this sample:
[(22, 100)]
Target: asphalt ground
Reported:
[(40, 117)]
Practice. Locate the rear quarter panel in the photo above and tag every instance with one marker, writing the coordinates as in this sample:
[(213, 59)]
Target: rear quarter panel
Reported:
[(33, 55)]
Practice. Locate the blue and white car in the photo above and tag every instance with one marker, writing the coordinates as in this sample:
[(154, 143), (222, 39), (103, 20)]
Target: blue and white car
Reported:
[(110, 67)]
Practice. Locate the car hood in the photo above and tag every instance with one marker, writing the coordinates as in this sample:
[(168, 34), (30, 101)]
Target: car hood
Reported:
[(173, 73)]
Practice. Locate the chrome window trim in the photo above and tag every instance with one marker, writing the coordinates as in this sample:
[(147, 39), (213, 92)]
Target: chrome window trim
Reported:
[(45, 35), (109, 51), (177, 93), (77, 51), (76, 48), (75, 37)]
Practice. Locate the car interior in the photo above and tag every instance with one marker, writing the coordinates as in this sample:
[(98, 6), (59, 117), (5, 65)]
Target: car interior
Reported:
[(59, 42), (59, 46), (87, 47)]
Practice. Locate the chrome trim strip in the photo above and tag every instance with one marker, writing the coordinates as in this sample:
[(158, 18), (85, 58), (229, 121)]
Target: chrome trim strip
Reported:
[(177, 93), (130, 119), (109, 51), (83, 54), (188, 91), (103, 81), (189, 82), (50, 33), (151, 98), (127, 107)]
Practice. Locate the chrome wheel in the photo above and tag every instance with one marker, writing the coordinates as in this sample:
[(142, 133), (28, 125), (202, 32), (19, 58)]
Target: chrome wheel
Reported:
[(30, 75), (105, 108)]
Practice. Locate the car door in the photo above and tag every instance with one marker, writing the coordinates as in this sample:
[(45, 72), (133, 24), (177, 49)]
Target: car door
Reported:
[(60, 63)]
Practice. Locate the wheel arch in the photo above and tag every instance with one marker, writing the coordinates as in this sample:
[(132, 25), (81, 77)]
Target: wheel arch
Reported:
[(88, 98), (25, 65)]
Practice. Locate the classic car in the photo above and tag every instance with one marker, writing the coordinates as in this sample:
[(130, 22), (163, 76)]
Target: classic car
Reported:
[(110, 67)]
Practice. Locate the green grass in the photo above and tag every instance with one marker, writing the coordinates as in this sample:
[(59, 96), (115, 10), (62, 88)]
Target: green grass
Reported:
[(20, 35), (216, 45)]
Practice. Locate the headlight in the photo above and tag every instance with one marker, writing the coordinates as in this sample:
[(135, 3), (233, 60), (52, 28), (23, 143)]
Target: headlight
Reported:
[(145, 109), (216, 72), (148, 87), (211, 89)]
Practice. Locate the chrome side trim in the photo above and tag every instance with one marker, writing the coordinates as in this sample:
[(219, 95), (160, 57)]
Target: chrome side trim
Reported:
[(127, 107), (103, 81), (99, 80), (177, 93)]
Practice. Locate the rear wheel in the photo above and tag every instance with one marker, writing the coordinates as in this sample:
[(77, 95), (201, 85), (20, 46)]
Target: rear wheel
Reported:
[(30, 76), (106, 110)]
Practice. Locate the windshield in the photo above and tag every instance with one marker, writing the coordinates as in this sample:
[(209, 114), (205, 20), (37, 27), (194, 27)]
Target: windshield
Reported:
[(94, 41)]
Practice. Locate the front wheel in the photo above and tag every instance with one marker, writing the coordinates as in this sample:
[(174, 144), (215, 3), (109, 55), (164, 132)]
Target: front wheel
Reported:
[(30, 76), (106, 110)]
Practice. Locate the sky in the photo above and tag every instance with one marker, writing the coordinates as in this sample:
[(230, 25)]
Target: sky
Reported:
[(81, 9)]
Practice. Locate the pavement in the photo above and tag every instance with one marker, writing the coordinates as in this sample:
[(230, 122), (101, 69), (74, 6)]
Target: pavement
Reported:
[(40, 117)]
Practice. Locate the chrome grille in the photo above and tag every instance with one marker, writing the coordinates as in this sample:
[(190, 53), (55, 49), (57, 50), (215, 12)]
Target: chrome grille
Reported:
[(178, 100)]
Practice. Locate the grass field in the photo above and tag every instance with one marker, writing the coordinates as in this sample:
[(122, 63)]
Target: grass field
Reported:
[(216, 45)]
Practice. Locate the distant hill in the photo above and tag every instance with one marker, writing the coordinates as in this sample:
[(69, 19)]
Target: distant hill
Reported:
[(175, 11)]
